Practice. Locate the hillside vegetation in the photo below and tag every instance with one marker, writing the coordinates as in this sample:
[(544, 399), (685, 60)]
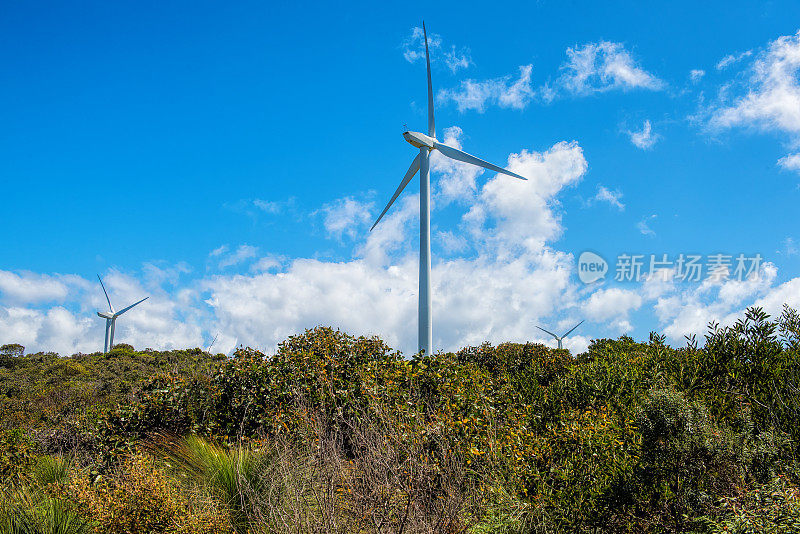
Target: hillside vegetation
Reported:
[(334, 433)]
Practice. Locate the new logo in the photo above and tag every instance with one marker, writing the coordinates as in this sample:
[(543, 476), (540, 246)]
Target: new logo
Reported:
[(591, 267)]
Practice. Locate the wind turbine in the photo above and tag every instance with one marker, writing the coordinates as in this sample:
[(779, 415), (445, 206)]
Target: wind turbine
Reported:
[(559, 339), (426, 144), (111, 317)]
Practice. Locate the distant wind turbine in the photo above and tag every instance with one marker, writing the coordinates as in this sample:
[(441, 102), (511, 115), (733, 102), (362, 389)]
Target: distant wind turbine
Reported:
[(559, 339), (426, 144), (111, 317)]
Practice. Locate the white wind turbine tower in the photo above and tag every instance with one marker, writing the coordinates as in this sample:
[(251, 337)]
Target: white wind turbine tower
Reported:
[(559, 339), (426, 144), (111, 317)]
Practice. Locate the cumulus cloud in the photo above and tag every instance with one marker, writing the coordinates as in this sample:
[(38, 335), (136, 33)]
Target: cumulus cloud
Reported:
[(590, 68), (687, 310), (492, 296), (27, 287), (769, 99), (790, 162), (512, 279), (166, 320), (521, 210), (504, 92), (457, 181), (644, 138), (452, 242), (346, 216), (603, 66), (612, 306)]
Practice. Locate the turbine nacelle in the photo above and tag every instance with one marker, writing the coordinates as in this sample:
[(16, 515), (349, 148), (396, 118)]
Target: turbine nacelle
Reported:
[(105, 315), (420, 140)]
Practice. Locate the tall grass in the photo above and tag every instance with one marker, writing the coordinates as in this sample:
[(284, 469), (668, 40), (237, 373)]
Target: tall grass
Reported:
[(372, 480), (51, 470), (26, 508), (233, 476), (30, 511)]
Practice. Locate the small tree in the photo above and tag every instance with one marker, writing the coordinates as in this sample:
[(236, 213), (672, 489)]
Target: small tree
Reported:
[(13, 350)]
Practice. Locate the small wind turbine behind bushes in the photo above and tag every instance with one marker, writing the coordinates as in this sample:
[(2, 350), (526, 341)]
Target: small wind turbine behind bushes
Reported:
[(559, 339), (111, 317)]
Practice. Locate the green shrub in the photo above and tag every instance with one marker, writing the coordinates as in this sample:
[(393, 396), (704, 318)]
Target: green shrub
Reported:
[(687, 461), (16, 455), (773, 507), (139, 498)]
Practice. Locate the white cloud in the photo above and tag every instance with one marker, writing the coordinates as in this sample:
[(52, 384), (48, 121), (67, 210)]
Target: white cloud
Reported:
[(790, 247), (771, 94), (267, 206), (240, 255), (414, 45), (522, 208), (768, 99), (493, 296), (644, 226), (612, 306), (414, 49), (457, 59), (790, 162), (451, 242), (257, 207), (219, 251), (593, 67), (346, 216), (613, 198), (456, 180), (696, 75), (603, 66), (787, 293), (645, 138), (685, 311), (267, 263), (730, 59), (512, 280), (27, 287), (165, 320), (504, 92)]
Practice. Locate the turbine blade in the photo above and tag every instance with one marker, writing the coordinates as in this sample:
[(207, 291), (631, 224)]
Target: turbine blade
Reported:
[(431, 123), (106, 292), (573, 328), (548, 331), (123, 310), (409, 175), (454, 153)]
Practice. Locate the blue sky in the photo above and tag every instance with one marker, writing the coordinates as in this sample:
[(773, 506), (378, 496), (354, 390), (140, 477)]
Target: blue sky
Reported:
[(228, 160)]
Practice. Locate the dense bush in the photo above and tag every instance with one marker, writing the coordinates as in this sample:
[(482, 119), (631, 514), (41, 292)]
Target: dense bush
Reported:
[(335, 433)]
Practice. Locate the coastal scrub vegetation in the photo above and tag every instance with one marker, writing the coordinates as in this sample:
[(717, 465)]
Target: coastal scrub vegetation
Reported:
[(342, 434)]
